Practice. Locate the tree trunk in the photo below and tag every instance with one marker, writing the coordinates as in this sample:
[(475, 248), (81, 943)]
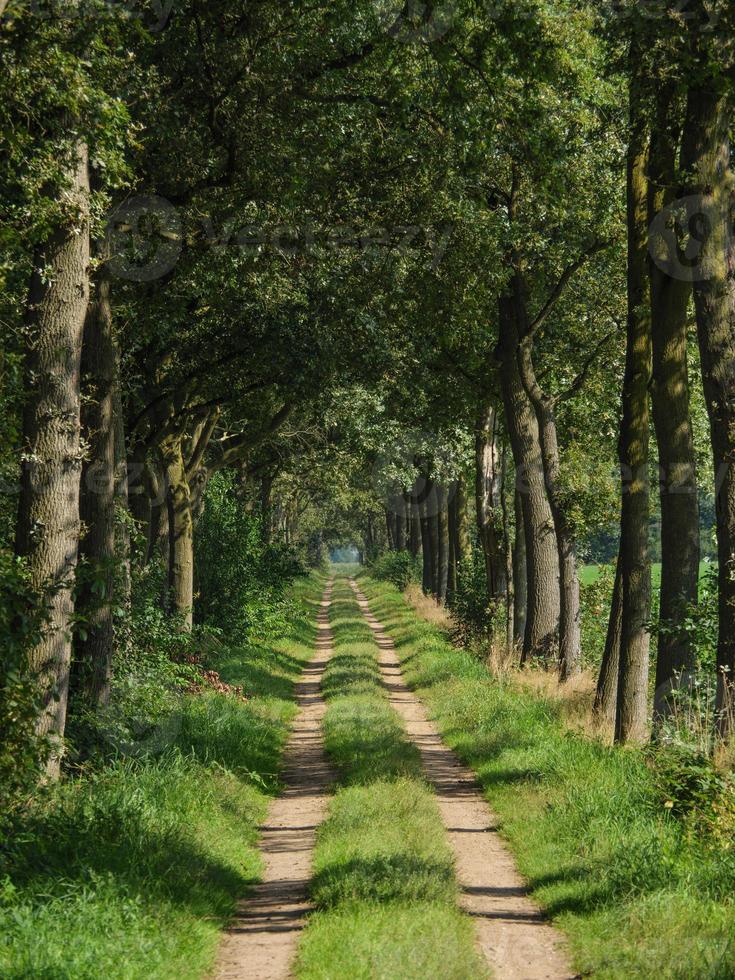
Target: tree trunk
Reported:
[(520, 581), (401, 523), (415, 537), (139, 498), (508, 553), (123, 551), (266, 509), (606, 697), (424, 521), (390, 527), (453, 501), (433, 527), (670, 396), (370, 550), (96, 645), (542, 561), (487, 502), (464, 542), (632, 706), (180, 533), (570, 640), (442, 527), (706, 156), (158, 530), (47, 531)]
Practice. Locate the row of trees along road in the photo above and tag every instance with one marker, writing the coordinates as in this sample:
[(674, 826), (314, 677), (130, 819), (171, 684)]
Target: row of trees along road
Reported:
[(365, 256)]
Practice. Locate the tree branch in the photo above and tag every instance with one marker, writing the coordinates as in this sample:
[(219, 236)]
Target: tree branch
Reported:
[(558, 289), (585, 370), (201, 444)]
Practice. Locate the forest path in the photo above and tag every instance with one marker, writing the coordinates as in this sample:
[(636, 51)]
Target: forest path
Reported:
[(261, 941), (516, 939)]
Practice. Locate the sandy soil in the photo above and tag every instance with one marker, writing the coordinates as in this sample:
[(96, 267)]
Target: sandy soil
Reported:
[(512, 932), (261, 941)]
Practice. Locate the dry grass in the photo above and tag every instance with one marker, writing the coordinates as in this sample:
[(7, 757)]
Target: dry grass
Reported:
[(575, 697), (502, 661), (428, 608)]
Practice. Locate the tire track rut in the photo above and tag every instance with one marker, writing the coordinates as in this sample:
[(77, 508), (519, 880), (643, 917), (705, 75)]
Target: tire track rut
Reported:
[(260, 942)]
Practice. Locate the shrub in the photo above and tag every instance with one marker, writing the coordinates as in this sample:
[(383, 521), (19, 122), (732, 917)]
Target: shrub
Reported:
[(150, 672), (240, 579), (22, 615), (699, 623), (475, 615), (398, 567), (696, 791)]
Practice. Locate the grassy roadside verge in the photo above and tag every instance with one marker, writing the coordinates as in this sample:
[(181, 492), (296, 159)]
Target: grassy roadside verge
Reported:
[(384, 882), (131, 872), (615, 871)]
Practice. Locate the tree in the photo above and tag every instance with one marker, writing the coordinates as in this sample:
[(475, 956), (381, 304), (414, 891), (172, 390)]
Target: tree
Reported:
[(632, 694), (671, 414), (47, 532), (706, 162)]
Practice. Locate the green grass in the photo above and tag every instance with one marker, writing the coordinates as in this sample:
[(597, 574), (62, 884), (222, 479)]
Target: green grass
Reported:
[(384, 881), (588, 574), (132, 872), (611, 866)]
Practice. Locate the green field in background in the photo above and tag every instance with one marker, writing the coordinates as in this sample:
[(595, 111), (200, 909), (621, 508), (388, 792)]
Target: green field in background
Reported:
[(588, 574)]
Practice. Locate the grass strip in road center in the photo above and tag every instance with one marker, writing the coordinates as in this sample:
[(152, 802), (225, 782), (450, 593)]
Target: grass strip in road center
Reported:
[(384, 882)]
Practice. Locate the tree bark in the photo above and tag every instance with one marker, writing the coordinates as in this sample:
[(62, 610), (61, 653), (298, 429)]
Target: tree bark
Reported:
[(266, 508), (570, 641), (424, 522), (180, 532), (415, 535), (401, 522), (632, 703), (123, 551), (605, 704), (390, 527), (453, 539), (139, 499), (670, 397), (370, 549), (487, 502), (508, 553), (464, 542), (520, 582), (47, 531), (542, 561), (442, 527), (706, 156), (96, 647), (433, 527)]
